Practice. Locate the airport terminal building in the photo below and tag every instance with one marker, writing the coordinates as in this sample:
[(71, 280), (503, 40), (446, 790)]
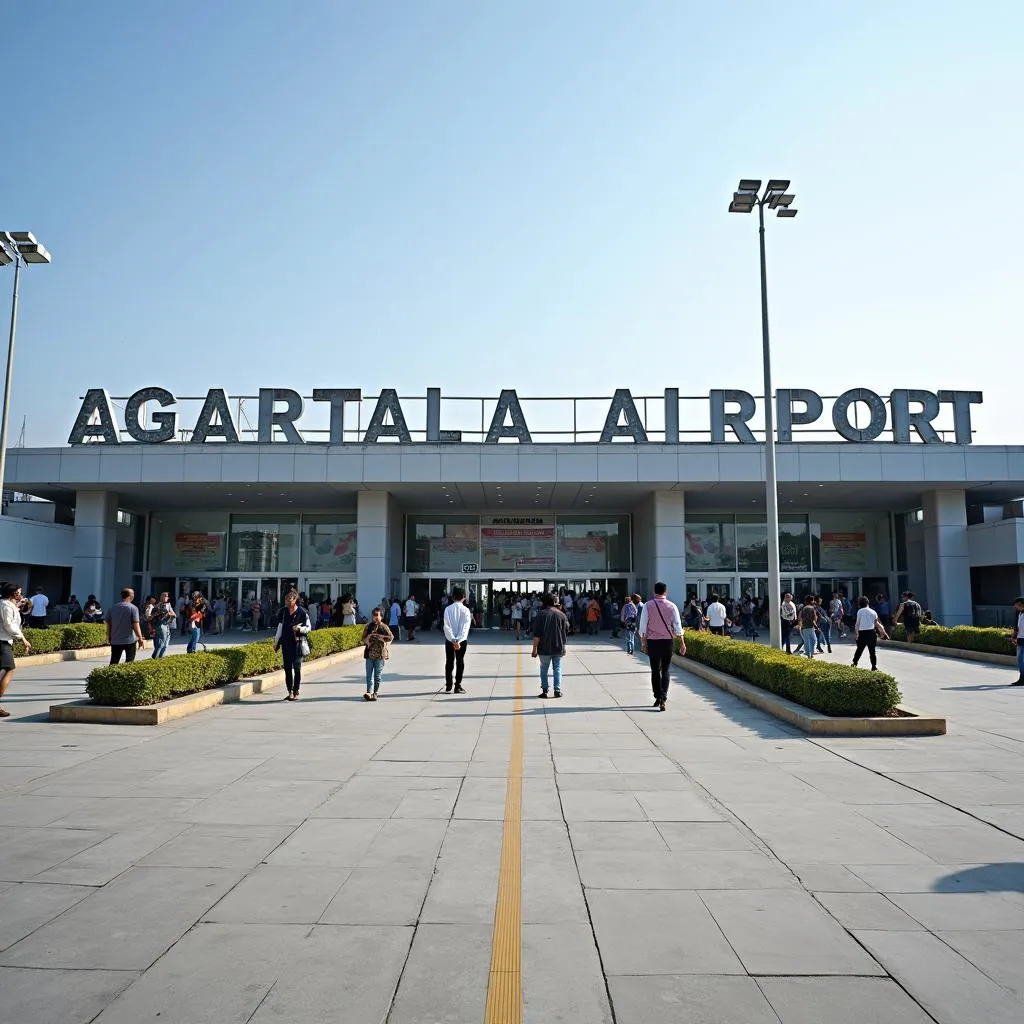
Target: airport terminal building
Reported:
[(378, 495)]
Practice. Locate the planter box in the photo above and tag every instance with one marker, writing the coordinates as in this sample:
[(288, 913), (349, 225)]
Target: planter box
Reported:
[(907, 721), (191, 703)]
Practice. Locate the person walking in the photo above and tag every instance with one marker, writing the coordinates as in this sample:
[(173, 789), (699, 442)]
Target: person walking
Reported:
[(40, 605), (348, 611), (787, 611), (220, 614), (628, 617), (808, 619), (867, 629), (124, 634), (457, 620), (517, 618), (659, 626), (162, 618), (10, 631), (909, 613), (395, 618), (716, 616), (377, 639), (290, 639), (195, 615), (1017, 636), (550, 630), (824, 626), (412, 609)]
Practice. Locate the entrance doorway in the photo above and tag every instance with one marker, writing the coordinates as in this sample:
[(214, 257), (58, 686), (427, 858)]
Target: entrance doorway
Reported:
[(704, 586)]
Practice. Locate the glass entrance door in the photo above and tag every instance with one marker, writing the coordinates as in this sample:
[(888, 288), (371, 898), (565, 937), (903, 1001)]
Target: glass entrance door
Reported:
[(705, 586)]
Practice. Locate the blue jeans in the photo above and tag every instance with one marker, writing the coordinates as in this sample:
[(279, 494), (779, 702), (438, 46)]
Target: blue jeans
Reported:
[(810, 639), (1020, 659), (161, 639), (826, 631), (374, 667), (193, 640), (630, 640), (550, 661)]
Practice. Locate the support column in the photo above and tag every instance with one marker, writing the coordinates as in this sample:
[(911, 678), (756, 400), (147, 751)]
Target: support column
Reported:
[(95, 547), (669, 563), (946, 557), (373, 547)]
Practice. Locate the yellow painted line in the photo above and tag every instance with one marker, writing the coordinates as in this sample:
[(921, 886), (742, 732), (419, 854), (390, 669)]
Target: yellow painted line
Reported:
[(505, 980)]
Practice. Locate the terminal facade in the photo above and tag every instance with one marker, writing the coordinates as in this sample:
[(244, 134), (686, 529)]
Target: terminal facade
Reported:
[(388, 503)]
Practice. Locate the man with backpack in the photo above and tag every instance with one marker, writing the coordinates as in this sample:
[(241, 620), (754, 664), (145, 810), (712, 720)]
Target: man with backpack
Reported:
[(909, 613)]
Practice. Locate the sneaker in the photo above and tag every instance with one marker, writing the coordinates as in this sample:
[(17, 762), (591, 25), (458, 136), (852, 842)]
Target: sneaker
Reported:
[(829, 648), (661, 705), (448, 688), (657, 702), (558, 693), (367, 695), (543, 694), (4, 713), (459, 689), (373, 696)]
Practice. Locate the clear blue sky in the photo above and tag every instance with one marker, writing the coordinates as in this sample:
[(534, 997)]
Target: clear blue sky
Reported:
[(481, 195)]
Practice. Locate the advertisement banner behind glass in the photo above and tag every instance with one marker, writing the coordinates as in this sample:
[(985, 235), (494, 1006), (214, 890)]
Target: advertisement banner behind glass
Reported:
[(198, 551), (331, 548), (842, 551), (516, 543)]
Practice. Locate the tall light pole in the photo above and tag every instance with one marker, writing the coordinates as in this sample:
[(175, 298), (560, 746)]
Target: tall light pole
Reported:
[(16, 247), (775, 197)]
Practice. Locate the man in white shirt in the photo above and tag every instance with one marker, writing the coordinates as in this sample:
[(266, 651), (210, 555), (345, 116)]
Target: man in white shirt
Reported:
[(1018, 639), (457, 620), (411, 611), (715, 617), (787, 612), (40, 604), (659, 626), (10, 631)]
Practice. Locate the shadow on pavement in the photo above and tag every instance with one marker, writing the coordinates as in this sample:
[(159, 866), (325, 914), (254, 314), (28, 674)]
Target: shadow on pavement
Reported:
[(1007, 877)]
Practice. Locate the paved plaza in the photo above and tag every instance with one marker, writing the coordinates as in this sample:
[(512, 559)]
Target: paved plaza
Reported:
[(334, 860)]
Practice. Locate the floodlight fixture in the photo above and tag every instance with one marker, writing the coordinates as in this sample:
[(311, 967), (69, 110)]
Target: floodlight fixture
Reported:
[(23, 236), (777, 184), (787, 212), (749, 185), (34, 253), (5, 256), (777, 199)]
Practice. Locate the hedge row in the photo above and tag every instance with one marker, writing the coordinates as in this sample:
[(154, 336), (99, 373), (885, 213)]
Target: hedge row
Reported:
[(839, 690), (988, 639), (75, 637), (151, 680)]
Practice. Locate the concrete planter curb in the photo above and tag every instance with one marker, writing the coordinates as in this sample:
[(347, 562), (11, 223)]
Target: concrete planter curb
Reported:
[(191, 703), (814, 722), (55, 657), (952, 652)]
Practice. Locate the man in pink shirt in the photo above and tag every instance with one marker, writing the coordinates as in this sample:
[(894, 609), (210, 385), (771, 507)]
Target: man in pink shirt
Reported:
[(659, 626)]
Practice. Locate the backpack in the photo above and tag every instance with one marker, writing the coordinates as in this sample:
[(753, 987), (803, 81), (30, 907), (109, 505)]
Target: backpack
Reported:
[(808, 615), (911, 613)]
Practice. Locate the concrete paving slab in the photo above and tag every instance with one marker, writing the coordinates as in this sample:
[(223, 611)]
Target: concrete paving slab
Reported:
[(867, 910), (672, 805), (562, 979), (387, 895), (445, 978), (617, 835), (969, 911), (210, 846), (551, 889), (27, 852), (582, 805), (841, 1001), (127, 924), (703, 836), (998, 954), (57, 997), (647, 932), (279, 894), (776, 931), (465, 885), (946, 985), (696, 999), (327, 842), (641, 869), (29, 905)]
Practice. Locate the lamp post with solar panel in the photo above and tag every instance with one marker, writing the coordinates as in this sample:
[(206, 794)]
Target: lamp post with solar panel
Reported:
[(16, 247), (774, 196)]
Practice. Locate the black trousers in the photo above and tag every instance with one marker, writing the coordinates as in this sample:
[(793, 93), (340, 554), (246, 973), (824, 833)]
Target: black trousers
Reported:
[(116, 650), (454, 659), (866, 638), (292, 662), (659, 652), (787, 629)]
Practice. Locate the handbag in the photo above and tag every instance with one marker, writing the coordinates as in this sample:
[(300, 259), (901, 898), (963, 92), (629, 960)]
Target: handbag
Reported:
[(303, 647)]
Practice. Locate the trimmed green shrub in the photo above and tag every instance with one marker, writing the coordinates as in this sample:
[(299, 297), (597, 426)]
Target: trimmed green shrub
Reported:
[(80, 635), (839, 690), (43, 641), (155, 679), (987, 639)]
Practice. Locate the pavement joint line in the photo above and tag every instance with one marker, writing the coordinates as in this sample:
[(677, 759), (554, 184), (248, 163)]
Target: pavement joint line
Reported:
[(505, 977)]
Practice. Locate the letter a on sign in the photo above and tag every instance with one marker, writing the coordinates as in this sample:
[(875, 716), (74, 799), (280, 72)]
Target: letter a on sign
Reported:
[(622, 404), (95, 419), (508, 405)]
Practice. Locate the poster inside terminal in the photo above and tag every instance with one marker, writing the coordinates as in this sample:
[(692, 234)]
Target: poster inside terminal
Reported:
[(857, 415)]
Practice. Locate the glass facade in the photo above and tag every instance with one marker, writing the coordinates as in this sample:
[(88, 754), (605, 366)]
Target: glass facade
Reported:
[(263, 543), (516, 544), (328, 544), (188, 542), (592, 543), (820, 542)]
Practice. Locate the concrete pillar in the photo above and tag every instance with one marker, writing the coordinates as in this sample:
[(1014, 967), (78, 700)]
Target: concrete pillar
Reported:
[(374, 547), (946, 556), (669, 562), (95, 547)]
